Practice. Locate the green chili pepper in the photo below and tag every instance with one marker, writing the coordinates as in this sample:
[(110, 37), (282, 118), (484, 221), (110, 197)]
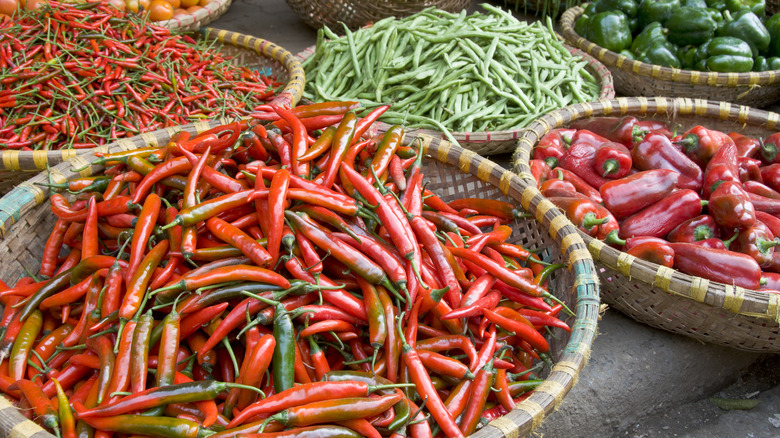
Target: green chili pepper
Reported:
[(284, 354)]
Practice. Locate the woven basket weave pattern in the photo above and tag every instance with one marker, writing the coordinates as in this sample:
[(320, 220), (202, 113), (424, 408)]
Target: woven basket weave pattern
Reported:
[(659, 296), (634, 78), (358, 13), (500, 142), (199, 18), (250, 52), (453, 172)]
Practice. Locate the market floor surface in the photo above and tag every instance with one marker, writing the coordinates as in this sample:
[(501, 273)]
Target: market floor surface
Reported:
[(640, 382)]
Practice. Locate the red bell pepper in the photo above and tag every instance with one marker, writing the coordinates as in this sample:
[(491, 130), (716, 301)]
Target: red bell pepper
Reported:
[(613, 160), (730, 206), (762, 203), (582, 212), (694, 230), (588, 137), (624, 130), (771, 176), (656, 151), (770, 221), (746, 146), (580, 184), (770, 149), (721, 168), (757, 242), (701, 144), (557, 184), (749, 169), (719, 265), (580, 160), (772, 280), (659, 253), (540, 171), (628, 195), (655, 127), (552, 146), (712, 242), (662, 217), (760, 189)]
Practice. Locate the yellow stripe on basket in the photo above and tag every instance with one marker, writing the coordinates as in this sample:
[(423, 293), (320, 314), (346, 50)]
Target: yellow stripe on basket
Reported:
[(642, 104), (556, 224), (773, 307), (578, 254), (724, 109), (125, 144), (771, 120), (40, 159), (525, 200), (547, 127), (79, 162), (623, 104), (524, 154), (507, 427), (534, 410), (464, 161), (150, 139), (624, 262), (695, 76), (700, 107), (595, 246), (734, 296), (522, 175), (744, 113), (552, 388), (663, 278), (568, 241), (201, 126), (585, 280), (567, 367), (698, 289), (11, 160), (558, 118), (425, 143), (686, 106), (443, 150), (619, 63), (587, 109), (484, 169), (656, 71), (25, 429), (57, 177), (606, 107), (505, 182), (733, 79), (36, 191)]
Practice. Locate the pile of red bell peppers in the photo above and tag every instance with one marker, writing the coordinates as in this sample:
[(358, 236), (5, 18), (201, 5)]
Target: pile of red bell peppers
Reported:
[(702, 201)]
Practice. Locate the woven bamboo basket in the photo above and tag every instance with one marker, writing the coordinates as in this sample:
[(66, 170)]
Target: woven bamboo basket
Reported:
[(199, 18), (634, 78), (500, 142), (358, 13), (659, 296), (248, 51), (541, 7), (452, 172)]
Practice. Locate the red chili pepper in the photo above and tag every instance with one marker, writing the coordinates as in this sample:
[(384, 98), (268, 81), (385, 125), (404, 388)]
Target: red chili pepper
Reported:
[(663, 216), (717, 265), (582, 212), (552, 146), (659, 253), (770, 149), (540, 171), (721, 168), (613, 161), (731, 207), (700, 228), (580, 159), (656, 151), (701, 144), (581, 185), (760, 189), (756, 241), (631, 194), (746, 146), (624, 130), (483, 382)]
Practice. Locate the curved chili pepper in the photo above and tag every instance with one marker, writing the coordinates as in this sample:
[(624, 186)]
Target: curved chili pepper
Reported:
[(341, 141), (39, 402), (142, 232), (52, 248), (61, 208), (146, 425), (336, 410), (731, 206), (172, 167), (524, 329), (238, 239), (760, 189), (140, 353), (656, 151), (483, 382), (24, 343), (663, 216), (718, 265), (137, 286), (46, 347), (225, 274), (324, 431)]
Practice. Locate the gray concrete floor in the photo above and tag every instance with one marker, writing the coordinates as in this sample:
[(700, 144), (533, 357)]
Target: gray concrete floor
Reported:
[(640, 382)]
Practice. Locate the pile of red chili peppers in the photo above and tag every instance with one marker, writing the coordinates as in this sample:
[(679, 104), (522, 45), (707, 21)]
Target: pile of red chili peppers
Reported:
[(80, 75), (290, 276), (703, 201)]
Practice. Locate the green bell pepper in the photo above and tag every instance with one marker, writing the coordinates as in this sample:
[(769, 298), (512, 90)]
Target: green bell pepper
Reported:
[(590, 9), (661, 53), (720, 5), (687, 57), (715, 14), (581, 25), (758, 7), (766, 64), (652, 32), (773, 27), (610, 30), (627, 53), (724, 54), (746, 26), (628, 7), (656, 10), (690, 25), (694, 4)]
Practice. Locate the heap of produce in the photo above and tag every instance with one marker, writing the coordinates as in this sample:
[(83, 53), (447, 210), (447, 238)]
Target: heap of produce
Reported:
[(702, 201), (287, 277), (712, 35), (451, 72), (152, 10), (77, 76)]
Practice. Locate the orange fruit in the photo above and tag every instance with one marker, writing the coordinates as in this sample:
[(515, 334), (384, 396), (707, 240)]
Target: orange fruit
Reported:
[(174, 3), (8, 7), (187, 3), (160, 10), (192, 9)]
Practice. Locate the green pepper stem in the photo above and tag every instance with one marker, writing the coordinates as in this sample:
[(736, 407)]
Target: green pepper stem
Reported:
[(613, 239)]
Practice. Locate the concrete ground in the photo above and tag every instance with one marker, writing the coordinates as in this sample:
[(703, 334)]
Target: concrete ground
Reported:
[(640, 382)]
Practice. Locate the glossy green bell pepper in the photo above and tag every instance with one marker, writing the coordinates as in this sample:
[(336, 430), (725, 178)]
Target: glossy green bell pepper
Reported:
[(690, 25), (610, 30), (581, 25), (715, 14), (687, 57), (628, 7), (724, 54), (765, 64), (758, 7), (627, 53), (661, 53), (746, 26), (694, 3), (656, 10), (652, 32), (720, 5), (773, 27)]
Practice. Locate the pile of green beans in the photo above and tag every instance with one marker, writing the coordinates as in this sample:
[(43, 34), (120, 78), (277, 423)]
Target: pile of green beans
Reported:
[(457, 72)]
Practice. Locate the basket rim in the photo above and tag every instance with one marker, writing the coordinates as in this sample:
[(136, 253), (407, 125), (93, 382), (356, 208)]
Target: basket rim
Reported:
[(202, 16), (528, 414), (748, 303), (476, 138), (35, 161), (676, 75)]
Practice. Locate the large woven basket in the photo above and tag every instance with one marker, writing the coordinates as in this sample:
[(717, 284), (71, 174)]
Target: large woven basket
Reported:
[(634, 78), (659, 296), (248, 51), (500, 142), (358, 13), (199, 18), (452, 172)]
